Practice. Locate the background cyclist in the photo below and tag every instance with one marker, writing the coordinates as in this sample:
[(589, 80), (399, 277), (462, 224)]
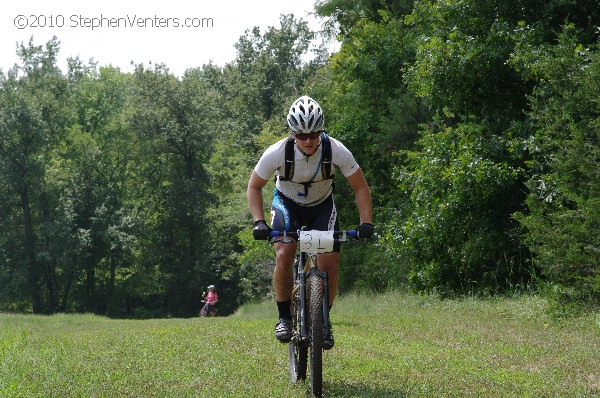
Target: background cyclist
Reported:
[(211, 299)]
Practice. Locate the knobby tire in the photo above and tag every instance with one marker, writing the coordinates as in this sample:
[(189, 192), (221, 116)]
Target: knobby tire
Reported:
[(297, 350), (316, 333)]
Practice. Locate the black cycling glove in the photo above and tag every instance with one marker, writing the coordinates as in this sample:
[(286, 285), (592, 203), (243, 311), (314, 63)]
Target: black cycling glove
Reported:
[(365, 231), (261, 230)]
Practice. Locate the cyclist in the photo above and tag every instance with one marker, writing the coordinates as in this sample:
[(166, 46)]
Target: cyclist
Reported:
[(211, 299), (305, 200)]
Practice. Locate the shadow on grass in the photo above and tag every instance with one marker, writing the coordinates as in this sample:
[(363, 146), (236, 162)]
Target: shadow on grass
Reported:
[(344, 323), (343, 389)]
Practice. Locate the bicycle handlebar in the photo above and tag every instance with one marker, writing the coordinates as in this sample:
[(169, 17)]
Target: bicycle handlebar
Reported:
[(338, 235)]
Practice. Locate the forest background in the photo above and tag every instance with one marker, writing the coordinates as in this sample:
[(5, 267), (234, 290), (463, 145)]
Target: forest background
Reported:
[(476, 123)]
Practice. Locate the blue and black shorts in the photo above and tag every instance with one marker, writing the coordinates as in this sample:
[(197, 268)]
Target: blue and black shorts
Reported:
[(287, 215)]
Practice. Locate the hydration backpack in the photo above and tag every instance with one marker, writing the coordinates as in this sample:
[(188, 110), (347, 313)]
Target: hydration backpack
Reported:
[(324, 164)]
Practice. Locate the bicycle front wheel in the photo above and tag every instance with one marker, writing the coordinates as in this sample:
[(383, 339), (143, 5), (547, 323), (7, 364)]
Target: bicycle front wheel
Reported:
[(316, 333)]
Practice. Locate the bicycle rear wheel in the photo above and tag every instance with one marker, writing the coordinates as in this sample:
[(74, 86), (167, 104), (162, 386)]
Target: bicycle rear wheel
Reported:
[(316, 333)]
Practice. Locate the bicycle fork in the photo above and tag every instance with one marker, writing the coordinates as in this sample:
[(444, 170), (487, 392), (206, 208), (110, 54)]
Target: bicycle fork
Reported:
[(325, 303), (302, 283)]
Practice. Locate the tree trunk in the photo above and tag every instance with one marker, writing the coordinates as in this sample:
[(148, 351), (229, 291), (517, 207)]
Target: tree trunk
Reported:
[(49, 268), (90, 284), (33, 275)]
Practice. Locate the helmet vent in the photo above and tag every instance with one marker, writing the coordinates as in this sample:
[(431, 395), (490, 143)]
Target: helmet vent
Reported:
[(305, 115)]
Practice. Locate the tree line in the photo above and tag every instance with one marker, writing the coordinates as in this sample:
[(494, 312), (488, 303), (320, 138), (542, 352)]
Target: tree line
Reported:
[(476, 124)]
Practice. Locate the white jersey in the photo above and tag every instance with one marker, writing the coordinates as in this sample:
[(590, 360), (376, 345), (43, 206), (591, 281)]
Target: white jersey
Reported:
[(305, 167)]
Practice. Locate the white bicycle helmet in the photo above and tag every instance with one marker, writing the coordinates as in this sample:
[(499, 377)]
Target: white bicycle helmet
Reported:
[(305, 115), (211, 287)]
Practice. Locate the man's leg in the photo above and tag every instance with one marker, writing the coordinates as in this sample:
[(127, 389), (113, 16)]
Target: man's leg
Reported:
[(283, 282), (330, 263), (283, 278)]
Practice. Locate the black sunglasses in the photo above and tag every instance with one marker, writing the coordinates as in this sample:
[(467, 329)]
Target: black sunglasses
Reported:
[(304, 136)]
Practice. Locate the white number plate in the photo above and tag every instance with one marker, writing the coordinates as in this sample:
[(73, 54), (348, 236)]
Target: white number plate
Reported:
[(316, 241)]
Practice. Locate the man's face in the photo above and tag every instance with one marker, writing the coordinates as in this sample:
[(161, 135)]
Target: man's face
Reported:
[(308, 142)]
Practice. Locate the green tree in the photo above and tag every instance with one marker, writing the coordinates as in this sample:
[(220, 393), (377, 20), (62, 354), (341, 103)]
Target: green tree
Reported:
[(466, 178), (22, 133), (174, 122), (87, 180), (34, 113), (369, 107), (456, 238), (270, 70), (564, 203)]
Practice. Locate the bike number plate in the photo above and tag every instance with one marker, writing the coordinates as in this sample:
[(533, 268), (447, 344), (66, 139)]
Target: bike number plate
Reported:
[(316, 241)]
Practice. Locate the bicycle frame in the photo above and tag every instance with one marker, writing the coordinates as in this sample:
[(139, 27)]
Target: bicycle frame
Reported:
[(310, 324)]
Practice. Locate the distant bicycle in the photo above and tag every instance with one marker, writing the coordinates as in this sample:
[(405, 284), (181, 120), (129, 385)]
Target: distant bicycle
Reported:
[(207, 310), (310, 316)]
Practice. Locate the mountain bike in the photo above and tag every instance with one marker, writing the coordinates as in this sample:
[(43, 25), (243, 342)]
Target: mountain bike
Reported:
[(207, 310), (310, 315)]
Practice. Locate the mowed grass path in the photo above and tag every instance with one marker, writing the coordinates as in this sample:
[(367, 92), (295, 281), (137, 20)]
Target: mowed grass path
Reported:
[(391, 345)]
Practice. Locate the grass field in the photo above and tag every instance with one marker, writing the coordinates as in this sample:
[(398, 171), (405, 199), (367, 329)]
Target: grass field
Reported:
[(392, 345)]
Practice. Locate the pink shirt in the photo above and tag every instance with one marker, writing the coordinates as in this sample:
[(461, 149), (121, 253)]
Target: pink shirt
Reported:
[(211, 297)]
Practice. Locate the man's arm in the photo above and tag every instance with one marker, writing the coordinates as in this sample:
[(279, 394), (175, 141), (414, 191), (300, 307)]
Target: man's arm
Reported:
[(363, 196), (255, 197)]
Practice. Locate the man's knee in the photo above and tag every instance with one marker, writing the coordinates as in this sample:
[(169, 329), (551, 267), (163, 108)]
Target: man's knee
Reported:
[(284, 254)]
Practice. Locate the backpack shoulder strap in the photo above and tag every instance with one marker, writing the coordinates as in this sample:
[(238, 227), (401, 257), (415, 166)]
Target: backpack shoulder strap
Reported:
[(289, 160), (327, 161)]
